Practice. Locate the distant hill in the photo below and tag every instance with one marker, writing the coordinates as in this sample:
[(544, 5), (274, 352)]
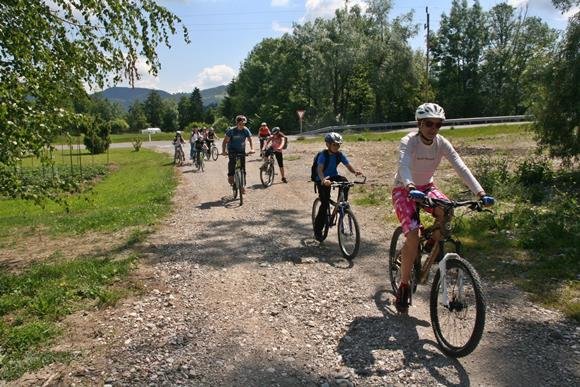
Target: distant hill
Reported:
[(126, 96)]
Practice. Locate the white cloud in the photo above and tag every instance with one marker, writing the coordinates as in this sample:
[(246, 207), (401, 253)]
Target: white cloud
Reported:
[(543, 8), (280, 28), (280, 3), (325, 8), (213, 76)]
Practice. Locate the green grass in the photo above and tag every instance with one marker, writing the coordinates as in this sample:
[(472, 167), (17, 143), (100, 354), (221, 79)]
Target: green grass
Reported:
[(137, 192), (478, 132), (34, 301)]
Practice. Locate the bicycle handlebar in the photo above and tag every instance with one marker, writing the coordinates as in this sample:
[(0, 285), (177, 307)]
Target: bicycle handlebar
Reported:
[(474, 205), (336, 184)]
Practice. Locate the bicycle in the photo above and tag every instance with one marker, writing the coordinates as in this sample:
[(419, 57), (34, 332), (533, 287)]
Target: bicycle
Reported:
[(267, 171), (341, 214), (199, 159), (456, 300), (239, 178), (211, 152), (178, 155)]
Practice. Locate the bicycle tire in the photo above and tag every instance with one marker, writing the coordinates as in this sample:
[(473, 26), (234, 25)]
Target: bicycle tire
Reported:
[(348, 229), (239, 183), (395, 260), (214, 153), (458, 309), (267, 175), (207, 154), (202, 164), (315, 207)]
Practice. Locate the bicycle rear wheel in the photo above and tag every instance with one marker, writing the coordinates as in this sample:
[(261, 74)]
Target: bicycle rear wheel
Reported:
[(207, 154), (395, 260), (348, 234), (267, 175), (458, 326), (214, 153), (239, 183), (315, 207)]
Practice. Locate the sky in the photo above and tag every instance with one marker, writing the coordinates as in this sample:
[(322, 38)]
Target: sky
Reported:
[(223, 33)]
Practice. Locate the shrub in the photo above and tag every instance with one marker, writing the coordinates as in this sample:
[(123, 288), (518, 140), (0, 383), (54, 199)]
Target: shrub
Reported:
[(137, 142), (97, 139)]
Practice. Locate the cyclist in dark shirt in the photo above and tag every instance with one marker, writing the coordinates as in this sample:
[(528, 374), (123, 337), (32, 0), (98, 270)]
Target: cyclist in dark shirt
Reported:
[(235, 143)]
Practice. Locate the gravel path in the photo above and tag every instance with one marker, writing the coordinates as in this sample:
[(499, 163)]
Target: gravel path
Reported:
[(243, 296)]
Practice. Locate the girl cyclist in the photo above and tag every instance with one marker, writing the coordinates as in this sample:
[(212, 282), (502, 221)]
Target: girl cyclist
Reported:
[(275, 145), (419, 156)]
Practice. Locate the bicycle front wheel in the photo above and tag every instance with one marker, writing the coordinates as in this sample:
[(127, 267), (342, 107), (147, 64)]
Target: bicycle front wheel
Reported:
[(395, 258), (214, 153), (459, 318), (315, 208), (239, 183), (348, 234), (267, 175)]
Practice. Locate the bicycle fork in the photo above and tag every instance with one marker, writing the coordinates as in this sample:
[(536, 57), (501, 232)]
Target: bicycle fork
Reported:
[(444, 296)]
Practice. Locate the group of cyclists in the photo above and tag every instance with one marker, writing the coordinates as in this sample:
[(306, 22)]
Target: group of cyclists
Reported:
[(420, 153), (201, 140)]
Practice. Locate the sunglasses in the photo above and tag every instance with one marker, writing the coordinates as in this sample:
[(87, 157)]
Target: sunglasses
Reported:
[(431, 124)]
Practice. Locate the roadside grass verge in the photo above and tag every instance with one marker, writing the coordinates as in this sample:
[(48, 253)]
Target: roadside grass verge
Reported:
[(448, 132), (33, 302), (136, 193)]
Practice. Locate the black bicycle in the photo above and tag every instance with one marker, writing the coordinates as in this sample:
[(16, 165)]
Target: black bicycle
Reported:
[(239, 178), (457, 303), (340, 212), (267, 171)]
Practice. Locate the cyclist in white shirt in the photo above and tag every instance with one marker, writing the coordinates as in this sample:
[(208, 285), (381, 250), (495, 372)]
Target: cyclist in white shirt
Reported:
[(419, 156)]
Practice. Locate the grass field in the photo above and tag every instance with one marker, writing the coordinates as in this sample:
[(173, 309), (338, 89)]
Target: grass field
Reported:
[(134, 195)]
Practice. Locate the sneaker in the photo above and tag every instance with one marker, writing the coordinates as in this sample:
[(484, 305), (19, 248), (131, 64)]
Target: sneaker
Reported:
[(319, 237), (402, 300), (263, 167), (243, 191), (284, 180), (231, 180)]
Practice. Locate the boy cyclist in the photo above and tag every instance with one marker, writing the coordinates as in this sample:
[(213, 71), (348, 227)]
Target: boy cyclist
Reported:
[(419, 156), (235, 143), (327, 172)]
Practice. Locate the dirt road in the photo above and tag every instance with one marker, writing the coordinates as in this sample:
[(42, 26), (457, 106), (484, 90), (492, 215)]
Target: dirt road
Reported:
[(244, 296)]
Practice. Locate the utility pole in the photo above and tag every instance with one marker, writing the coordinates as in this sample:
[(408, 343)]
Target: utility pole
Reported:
[(427, 42)]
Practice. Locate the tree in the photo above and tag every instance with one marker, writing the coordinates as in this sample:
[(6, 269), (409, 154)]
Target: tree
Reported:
[(457, 51), (136, 117), (153, 107), (50, 49), (169, 116), (196, 105), (183, 112), (557, 110)]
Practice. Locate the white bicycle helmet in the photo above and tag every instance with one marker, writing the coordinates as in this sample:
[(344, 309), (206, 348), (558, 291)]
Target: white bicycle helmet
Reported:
[(241, 118), (275, 130), (333, 138), (429, 110)]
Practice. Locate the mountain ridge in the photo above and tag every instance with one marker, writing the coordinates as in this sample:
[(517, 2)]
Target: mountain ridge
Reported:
[(126, 96)]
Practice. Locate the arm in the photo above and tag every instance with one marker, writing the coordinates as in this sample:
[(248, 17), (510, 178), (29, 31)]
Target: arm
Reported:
[(461, 169), (405, 163), (225, 143)]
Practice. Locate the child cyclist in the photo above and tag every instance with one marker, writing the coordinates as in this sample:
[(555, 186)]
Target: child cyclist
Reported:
[(327, 163), (419, 156), (275, 145)]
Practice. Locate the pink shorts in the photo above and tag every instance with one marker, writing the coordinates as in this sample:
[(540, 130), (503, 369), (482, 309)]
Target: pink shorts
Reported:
[(406, 209)]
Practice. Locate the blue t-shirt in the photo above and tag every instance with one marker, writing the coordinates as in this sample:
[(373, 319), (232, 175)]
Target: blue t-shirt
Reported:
[(331, 169), (238, 139)]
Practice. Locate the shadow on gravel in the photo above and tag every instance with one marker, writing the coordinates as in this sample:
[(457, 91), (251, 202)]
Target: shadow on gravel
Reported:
[(390, 346), (270, 236)]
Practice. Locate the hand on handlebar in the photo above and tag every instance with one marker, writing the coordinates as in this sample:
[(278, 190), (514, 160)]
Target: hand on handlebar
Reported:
[(326, 182), (417, 195), (487, 200)]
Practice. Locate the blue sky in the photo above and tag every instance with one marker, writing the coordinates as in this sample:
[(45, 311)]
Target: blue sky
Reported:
[(223, 32)]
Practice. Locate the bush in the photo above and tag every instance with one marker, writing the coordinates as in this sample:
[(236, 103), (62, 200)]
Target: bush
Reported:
[(98, 138), (493, 175), (137, 142)]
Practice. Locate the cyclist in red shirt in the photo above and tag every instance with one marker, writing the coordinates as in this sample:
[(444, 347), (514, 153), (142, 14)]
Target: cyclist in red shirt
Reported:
[(263, 134), (275, 145)]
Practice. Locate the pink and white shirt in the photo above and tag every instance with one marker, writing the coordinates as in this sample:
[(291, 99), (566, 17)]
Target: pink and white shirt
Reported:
[(418, 162)]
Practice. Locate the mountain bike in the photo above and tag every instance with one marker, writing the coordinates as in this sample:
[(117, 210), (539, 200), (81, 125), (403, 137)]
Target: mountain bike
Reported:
[(178, 155), (239, 178), (339, 212), (267, 171), (211, 152), (199, 159), (457, 303)]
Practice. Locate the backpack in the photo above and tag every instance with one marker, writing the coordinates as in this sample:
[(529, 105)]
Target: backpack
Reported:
[(314, 168)]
